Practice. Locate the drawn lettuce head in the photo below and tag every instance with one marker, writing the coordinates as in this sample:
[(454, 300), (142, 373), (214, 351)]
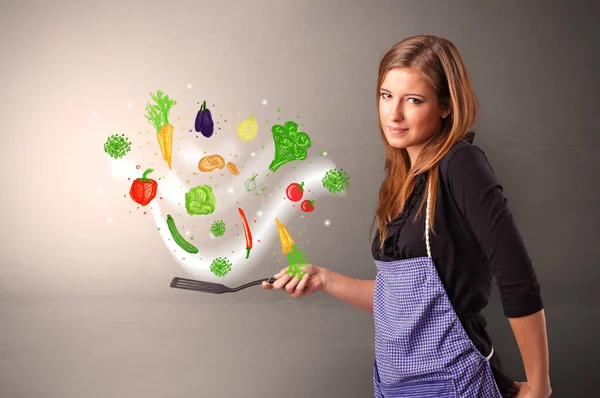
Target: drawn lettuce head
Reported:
[(200, 200)]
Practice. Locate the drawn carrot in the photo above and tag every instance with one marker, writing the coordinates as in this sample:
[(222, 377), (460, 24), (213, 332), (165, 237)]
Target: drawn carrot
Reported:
[(180, 240), (158, 116), (246, 232)]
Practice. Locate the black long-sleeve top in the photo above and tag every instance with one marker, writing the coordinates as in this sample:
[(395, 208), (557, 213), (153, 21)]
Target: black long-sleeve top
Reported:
[(475, 238)]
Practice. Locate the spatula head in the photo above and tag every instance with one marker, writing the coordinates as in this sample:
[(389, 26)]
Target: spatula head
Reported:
[(199, 286)]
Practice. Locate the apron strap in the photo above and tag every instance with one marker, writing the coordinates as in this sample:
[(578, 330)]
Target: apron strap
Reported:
[(427, 221)]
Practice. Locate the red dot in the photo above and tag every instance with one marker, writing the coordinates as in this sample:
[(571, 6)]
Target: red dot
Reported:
[(137, 167), (160, 198), (144, 212), (128, 178), (259, 241)]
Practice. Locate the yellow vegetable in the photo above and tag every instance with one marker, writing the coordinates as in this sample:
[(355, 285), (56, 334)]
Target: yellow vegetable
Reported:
[(211, 162), (232, 168), (165, 141), (248, 129)]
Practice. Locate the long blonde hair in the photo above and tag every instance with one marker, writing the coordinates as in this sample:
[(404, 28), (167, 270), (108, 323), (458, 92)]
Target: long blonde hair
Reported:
[(440, 64)]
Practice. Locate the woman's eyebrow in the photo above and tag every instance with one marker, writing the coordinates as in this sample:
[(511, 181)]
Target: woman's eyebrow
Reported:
[(405, 95)]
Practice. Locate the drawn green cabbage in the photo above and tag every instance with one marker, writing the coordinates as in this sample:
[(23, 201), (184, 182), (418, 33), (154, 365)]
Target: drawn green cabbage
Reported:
[(200, 200)]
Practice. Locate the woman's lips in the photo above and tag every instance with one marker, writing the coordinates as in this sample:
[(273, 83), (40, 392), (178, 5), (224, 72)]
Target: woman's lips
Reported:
[(395, 130)]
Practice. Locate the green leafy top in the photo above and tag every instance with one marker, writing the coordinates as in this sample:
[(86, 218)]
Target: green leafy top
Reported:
[(158, 115)]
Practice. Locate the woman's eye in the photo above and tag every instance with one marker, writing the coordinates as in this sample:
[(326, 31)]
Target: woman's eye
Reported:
[(383, 95), (417, 101)]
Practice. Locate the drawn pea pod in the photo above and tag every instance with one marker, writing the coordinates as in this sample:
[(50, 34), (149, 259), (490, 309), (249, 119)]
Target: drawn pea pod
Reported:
[(180, 240)]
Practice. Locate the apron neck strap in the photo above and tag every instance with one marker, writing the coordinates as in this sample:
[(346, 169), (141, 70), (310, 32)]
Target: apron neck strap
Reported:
[(427, 220)]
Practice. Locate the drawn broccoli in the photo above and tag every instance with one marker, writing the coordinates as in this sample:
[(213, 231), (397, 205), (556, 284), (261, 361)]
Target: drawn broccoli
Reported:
[(218, 228), (336, 180), (220, 266), (117, 146), (200, 200)]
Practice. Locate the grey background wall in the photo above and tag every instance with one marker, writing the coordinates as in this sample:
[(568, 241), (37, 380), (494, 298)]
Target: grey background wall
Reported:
[(85, 304)]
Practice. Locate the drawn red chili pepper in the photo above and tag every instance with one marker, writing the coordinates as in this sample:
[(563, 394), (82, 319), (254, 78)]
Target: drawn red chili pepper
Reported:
[(246, 232)]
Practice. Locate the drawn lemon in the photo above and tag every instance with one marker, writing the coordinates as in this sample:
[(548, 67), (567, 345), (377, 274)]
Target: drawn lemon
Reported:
[(248, 129)]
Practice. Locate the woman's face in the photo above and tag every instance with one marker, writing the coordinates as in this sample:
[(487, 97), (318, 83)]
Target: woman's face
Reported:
[(409, 110)]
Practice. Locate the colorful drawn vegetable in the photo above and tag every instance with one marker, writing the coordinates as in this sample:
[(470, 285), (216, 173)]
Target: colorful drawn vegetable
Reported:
[(289, 144), (158, 116), (143, 190), (218, 228), (307, 205), (180, 240), (336, 180), (220, 266), (232, 168), (294, 191), (247, 232), (284, 238), (211, 162), (250, 183), (200, 200), (296, 257), (204, 122), (295, 270), (248, 129), (117, 146)]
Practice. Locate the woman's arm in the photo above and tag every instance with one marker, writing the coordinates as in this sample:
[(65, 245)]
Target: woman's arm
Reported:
[(356, 292), (530, 333), (480, 199)]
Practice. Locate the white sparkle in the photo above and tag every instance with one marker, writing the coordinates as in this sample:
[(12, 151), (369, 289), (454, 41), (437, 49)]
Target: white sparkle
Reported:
[(110, 219), (253, 154), (187, 232), (324, 153), (129, 104), (230, 190), (327, 222), (259, 213), (264, 102), (189, 86), (95, 113), (99, 190)]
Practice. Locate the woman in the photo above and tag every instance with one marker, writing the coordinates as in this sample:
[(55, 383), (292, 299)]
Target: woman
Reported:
[(443, 230)]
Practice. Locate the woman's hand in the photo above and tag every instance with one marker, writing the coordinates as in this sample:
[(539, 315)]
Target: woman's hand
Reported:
[(310, 283), (523, 390)]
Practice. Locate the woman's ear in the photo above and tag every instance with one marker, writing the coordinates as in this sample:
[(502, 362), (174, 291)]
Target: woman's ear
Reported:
[(446, 111)]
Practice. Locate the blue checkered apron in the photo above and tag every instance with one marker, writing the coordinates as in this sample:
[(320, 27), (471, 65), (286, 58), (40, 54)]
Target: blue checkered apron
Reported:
[(421, 348)]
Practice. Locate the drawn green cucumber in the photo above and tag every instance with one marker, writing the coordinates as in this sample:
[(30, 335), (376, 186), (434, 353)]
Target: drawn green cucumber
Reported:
[(180, 240)]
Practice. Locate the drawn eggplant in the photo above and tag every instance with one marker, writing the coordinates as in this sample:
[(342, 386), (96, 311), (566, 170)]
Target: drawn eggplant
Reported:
[(204, 122)]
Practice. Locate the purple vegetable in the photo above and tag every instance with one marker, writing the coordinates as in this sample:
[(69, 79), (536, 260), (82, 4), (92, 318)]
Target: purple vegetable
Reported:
[(204, 123)]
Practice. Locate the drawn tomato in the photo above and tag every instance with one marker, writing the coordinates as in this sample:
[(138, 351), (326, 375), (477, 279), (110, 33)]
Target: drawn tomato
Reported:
[(307, 205), (294, 191)]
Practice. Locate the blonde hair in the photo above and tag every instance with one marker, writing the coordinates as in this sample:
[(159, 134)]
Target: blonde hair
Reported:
[(439, 63)]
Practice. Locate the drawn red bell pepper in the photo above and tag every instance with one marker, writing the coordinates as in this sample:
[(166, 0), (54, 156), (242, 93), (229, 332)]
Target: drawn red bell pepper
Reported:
[(143, 190)]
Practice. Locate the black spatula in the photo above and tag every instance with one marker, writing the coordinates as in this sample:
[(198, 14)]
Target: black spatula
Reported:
[(211, 287)]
